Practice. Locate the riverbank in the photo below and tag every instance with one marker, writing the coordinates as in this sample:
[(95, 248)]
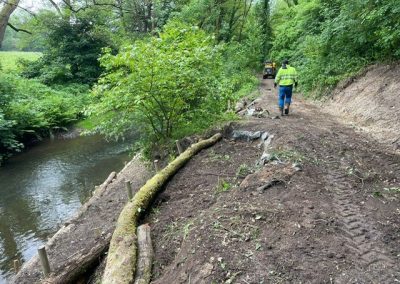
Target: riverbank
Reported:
[(302, 198), (42, 187), (90, 230)]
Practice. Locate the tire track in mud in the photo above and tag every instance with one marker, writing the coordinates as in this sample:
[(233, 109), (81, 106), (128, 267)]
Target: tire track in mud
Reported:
[(359, 235)]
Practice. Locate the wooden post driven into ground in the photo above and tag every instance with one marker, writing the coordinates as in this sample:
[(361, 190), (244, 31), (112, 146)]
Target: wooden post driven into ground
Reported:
[(145, 255), (157, 165), (17, 266), (128, 189), (179, 147), (122, 255), (44, 260)]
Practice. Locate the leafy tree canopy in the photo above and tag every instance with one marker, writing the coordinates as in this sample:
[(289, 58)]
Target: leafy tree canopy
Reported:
[(331, 40), (162, 85)]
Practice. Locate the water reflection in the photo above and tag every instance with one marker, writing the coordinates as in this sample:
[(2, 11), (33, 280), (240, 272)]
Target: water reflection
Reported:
[(43, 187)]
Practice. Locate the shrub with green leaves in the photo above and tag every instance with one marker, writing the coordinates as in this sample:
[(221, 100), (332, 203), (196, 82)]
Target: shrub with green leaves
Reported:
[(164, 86), (71, 53), (30, 110), (331, 40)]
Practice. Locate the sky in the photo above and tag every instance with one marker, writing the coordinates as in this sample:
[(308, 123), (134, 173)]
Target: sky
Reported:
[(33, 4)]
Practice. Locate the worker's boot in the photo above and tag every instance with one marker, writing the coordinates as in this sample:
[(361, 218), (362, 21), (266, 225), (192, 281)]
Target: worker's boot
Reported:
[(287, 110), (281, 110)]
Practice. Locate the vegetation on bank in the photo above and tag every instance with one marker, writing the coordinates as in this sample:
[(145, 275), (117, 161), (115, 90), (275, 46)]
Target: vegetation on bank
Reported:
[(30, 110), (168, 86), (169, 68), (9, 60), (329, 41), (166, 75)]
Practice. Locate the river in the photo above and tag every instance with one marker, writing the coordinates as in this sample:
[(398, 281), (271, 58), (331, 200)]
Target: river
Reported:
[(41, 188)]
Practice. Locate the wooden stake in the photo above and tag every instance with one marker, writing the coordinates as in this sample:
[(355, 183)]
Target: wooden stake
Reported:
[(157, 165), (16, 266), (145, 255), (178, 146), (128, 189), (44, 260)]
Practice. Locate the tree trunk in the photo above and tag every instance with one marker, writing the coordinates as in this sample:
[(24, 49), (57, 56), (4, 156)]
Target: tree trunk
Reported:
[(121, 259), (5, 13)]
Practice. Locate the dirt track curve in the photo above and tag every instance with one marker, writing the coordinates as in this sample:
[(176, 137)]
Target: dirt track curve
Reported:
[(333, 217)]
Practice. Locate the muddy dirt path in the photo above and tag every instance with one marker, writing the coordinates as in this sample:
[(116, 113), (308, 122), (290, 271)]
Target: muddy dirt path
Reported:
[(323, 209)]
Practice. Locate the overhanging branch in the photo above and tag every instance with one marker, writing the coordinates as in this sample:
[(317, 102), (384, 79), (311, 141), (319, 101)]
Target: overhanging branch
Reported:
[(18, 30)]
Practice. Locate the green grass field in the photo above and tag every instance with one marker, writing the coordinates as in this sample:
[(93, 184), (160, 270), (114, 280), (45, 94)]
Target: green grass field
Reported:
[(8, 59)]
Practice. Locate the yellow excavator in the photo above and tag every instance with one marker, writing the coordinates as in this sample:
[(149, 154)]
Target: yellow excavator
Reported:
[(269, 69)]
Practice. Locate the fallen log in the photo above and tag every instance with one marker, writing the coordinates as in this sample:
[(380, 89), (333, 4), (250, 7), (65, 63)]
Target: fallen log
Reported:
[(145, 255), (121, 259)]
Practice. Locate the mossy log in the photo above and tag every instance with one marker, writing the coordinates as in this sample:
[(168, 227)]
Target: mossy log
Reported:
[(145, 255), (121, 259)]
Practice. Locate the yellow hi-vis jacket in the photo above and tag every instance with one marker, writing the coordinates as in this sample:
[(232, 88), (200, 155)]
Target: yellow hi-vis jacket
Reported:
[(287, 76)]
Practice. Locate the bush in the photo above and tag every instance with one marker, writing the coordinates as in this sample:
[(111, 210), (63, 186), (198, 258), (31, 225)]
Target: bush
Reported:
[(71, 54), (164, 86), (30, 110), (331, 40)]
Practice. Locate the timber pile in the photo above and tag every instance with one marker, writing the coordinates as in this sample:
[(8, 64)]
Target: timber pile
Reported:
[(145, 255), (122, 254), (77, 245)]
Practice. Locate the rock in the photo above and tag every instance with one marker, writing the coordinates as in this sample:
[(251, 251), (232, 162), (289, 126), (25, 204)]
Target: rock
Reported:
[(297, 167), (245, 135), (264, 136), (250, 111)]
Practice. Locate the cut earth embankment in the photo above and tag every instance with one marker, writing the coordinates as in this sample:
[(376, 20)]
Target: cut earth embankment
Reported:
[(371, 101)]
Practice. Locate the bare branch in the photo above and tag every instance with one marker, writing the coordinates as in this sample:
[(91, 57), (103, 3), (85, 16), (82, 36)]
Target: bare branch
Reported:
[(56, 6), (117, 5), (17, 29)]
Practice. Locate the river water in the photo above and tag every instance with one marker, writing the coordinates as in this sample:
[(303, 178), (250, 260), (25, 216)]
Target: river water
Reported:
[(41, 188)]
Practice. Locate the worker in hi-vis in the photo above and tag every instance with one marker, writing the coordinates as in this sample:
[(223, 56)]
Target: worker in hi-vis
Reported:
[(286, 78)]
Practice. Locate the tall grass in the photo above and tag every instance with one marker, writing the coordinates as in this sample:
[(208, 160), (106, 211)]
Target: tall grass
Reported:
[(9, 59)]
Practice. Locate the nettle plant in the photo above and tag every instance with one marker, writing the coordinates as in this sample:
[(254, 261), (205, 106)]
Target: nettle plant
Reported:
[(165, 86)]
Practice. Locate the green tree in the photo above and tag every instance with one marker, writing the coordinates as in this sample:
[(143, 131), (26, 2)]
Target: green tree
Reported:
[(331, 40), (71, 48), (162, 86)]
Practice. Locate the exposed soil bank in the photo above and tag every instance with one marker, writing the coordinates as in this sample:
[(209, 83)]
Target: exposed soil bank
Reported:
[(325, 208), (334, 221), (372, 102)]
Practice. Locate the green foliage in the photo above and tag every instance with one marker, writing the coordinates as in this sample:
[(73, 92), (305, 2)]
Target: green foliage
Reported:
[(163, 86), (243, 171), (71, 51), (225, 19), (10, 59), (331, 40), (30, 110), (287, 155), (223, 186), (8, 142)]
